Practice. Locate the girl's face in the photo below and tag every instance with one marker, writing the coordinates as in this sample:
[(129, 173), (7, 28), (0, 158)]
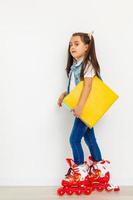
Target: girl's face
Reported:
[(77, 47)]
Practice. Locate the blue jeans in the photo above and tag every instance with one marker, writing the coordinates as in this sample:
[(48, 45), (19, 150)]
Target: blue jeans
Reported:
[(80, 130)]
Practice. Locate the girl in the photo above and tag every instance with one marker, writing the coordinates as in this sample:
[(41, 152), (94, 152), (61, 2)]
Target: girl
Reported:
[(82, 64)]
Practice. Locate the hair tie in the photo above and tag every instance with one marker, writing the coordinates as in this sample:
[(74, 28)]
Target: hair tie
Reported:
[(90, 34)]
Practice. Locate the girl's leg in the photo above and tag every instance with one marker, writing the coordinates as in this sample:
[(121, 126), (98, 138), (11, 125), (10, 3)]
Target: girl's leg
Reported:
[(78, 130), (89, 137)]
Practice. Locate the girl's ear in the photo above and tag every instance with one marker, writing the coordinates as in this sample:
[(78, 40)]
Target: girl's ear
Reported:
[(87, 47)]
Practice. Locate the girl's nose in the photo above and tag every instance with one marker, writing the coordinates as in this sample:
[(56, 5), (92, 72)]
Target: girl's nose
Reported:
[(72, 48)]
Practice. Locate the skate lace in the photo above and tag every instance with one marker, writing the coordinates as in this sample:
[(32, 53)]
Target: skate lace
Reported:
[(73, 175), (75, 170), (94, 172), (69, 172), (72, 172)]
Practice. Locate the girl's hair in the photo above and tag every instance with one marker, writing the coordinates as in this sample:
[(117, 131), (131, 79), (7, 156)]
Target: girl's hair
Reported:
[(90, 55)]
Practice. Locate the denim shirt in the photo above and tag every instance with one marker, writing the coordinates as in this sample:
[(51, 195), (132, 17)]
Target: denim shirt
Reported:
[(75, 69)]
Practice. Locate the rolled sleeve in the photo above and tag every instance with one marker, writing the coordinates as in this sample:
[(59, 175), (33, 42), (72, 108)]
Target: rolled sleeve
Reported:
[(89, 71)]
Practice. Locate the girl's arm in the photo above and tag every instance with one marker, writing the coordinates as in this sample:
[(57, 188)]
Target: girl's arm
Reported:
[(85, 91), (60, 99), (65, 93)]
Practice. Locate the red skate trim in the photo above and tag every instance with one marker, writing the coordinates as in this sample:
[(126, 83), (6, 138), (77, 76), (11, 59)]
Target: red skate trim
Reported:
[(90, 158), (104, 179), (70, 162), (102, 161), (105, 161)]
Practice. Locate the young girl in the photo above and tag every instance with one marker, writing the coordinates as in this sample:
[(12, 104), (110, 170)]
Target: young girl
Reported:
[(82, 64)]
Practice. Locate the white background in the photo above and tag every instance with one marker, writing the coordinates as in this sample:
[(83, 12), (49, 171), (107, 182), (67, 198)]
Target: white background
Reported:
[(34, 132)]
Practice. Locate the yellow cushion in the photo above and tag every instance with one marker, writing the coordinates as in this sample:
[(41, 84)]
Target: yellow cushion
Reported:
[(100, 98)]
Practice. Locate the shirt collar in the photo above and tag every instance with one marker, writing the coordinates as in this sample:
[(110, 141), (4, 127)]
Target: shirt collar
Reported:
[(77, 63)]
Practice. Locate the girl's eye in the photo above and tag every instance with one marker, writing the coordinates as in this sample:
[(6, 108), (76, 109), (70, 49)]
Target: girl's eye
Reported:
[(74, 44)]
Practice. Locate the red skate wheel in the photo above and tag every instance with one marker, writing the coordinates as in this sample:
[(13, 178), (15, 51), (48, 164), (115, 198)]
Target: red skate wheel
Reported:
[(60, 191), (78, 191), (87, 190), (100, 188), (65, 183), (117, 189), (108, 188), (93, 187), (69, 191)]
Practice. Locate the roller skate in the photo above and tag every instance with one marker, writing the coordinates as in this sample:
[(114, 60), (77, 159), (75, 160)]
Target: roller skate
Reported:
[(76, 180), (99, 176)]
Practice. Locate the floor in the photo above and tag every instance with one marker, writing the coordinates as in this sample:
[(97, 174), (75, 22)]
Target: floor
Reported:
[(49, 193)]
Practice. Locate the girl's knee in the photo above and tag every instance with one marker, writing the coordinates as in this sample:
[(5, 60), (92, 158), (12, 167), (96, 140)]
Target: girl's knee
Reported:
[(91, 142), (74, 140)]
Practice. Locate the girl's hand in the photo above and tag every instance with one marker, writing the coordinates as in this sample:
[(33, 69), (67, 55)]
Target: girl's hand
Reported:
[(60, 99), (77, 111)]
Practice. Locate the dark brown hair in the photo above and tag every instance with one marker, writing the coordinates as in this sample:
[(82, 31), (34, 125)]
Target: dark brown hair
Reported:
[(90, 55)]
